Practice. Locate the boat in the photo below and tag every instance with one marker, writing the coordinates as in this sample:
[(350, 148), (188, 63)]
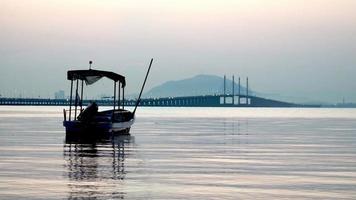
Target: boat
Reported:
[(89, 120)]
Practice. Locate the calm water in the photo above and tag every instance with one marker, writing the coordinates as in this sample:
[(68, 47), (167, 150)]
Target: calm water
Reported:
[(183, 153)]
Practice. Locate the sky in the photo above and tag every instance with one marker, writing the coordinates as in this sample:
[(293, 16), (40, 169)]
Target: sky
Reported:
[(303, 50)]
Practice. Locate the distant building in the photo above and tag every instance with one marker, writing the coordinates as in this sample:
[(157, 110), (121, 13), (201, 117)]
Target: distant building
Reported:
[(59, 95)]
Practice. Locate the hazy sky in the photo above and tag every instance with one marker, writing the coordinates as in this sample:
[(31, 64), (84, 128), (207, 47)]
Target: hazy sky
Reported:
[(295, 48)]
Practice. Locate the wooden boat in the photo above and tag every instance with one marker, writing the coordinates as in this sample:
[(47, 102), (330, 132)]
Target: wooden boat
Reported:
[(90, 120)]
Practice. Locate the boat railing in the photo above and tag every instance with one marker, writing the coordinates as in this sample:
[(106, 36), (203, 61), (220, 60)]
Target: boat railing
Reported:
[(69, 114)]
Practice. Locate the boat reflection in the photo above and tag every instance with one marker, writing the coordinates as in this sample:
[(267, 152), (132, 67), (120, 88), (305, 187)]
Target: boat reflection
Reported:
[(95, 167)]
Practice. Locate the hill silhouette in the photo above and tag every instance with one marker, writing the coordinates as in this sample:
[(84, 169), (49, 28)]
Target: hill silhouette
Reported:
[(197, 85)]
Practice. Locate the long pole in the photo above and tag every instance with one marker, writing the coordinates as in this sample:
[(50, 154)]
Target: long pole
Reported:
[(143, 86)]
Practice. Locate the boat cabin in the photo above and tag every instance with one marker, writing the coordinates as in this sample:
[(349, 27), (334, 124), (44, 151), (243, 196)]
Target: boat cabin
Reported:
[(90, 119)]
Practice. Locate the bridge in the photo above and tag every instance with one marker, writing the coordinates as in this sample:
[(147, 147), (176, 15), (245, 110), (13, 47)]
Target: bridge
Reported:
[(186, 101)]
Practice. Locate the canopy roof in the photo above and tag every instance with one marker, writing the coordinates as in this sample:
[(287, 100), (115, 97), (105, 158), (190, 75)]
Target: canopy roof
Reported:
[(91, 76)]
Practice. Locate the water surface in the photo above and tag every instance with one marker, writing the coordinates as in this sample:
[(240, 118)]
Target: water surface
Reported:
[(183, 153)]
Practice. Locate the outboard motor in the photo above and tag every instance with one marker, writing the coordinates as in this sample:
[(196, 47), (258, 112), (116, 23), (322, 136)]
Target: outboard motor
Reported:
[(88, 114)]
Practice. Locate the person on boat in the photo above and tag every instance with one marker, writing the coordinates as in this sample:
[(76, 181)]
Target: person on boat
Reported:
[(89, 113)]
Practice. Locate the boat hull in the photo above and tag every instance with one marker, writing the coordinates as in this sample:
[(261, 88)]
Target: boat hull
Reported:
[(78, 127)]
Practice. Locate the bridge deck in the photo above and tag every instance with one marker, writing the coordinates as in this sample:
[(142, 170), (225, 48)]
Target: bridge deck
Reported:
[(188, 101)]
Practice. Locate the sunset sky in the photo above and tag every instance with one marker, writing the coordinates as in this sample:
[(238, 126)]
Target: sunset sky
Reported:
[(304, 50)]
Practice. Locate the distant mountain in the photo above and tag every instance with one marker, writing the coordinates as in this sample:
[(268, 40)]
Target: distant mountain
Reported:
[(197, 85)]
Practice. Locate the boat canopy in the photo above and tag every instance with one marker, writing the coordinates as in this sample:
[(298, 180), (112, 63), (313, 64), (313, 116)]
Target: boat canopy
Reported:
[(91, 76)]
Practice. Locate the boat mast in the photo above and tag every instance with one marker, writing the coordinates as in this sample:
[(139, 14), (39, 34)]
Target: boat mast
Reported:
[(143, 85)]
